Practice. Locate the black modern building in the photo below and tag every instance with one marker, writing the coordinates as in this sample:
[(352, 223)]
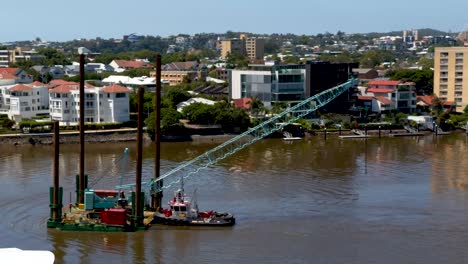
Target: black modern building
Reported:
[(323, 75)]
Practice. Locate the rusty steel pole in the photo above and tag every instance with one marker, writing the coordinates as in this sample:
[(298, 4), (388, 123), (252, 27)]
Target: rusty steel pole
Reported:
[(55, 210), (138, 203), (156, 196), (82, 130)]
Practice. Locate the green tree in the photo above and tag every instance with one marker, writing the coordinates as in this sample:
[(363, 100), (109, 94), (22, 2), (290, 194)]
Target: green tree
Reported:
[(238, 59), (176, 95), (198, 113), (256, 106), (169, 122), (422, 78), (374, 58)]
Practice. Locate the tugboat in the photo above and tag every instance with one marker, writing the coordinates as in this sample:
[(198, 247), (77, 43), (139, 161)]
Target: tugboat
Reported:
[(182, 213)]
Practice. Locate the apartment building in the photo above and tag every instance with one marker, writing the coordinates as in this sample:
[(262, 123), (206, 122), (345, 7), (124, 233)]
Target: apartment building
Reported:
[(229, 46), (106, 104), (22, 101), (255, 48), (451, 75)]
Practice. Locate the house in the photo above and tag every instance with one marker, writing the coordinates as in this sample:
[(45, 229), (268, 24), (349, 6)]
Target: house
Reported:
[(424, 104), (106, 104), (98, 67), (177, 72), (143, 81), (57, 72), (21, 101), (392, 95), (16, 74), (123, 65)]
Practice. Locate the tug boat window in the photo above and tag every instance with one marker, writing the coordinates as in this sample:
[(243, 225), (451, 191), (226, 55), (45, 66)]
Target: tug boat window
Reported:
[(183, 208), (176, 208)]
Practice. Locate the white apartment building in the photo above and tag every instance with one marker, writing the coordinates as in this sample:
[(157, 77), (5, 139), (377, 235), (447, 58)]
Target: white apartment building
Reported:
[(107, 104), (22, 101)]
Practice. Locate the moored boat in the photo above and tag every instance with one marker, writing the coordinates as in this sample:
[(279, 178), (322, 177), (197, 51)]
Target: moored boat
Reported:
[(182, 212)]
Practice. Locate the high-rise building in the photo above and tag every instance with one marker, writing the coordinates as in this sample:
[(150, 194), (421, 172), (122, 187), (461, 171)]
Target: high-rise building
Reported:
[(229, 46), (253, 48), (451, 75)]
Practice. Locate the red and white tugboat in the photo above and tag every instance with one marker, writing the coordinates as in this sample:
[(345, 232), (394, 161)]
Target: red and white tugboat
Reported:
[(182, 213)]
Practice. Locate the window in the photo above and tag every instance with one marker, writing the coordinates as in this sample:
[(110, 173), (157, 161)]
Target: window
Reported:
[(444, 54), (459, 54), (443, 61), (443, 67), (459, 61), (459, 67), (120, 95)]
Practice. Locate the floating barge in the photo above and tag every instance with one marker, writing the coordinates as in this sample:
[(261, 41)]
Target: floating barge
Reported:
[(99, 210)]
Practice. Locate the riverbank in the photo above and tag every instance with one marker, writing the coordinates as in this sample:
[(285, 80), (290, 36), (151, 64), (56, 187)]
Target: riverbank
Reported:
[(129, 134), (101, 136)]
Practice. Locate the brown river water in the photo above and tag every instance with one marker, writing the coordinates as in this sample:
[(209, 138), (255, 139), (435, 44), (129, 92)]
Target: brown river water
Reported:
[(389, 200)]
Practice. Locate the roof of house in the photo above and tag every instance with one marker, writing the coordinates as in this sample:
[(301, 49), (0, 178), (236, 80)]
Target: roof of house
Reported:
[(365, 98), (388, 83), (426, 99), (6, 75), (126, 64), (20, 88), (383, 100), (383, 82), (180, 106), (180, 65), (9, 70), (64, 88), (57, 82), (380, 90), (115, 88), (242, 102), (36, 83)]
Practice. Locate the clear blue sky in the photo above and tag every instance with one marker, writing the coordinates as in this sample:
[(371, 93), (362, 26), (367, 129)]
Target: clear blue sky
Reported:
[(59, 20)]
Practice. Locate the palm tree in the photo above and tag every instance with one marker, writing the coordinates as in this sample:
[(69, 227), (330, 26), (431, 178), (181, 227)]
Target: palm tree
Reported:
[(256, 106)]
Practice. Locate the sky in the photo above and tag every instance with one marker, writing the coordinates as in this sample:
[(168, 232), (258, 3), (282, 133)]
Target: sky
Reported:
[(58, 20)]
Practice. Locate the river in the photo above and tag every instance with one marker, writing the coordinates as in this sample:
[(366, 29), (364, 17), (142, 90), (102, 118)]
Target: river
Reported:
[(389, 200)]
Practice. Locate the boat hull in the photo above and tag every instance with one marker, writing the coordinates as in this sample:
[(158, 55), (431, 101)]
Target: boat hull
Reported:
[(223, 219)]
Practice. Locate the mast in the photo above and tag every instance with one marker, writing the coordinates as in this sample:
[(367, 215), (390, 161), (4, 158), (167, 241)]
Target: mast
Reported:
[(81, 184), (156, 196), (138, 212)]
